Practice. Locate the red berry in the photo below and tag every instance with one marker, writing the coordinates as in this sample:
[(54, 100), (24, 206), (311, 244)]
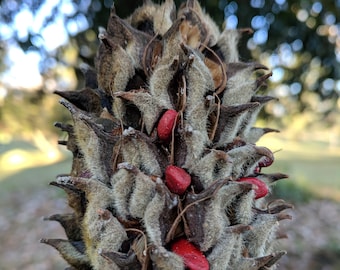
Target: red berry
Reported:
[(257, 169), (266, 161), (177, 179), (166, 124), (193, 258), (261, 187)]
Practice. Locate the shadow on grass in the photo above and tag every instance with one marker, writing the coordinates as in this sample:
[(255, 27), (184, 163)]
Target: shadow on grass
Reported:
[(34, 178)]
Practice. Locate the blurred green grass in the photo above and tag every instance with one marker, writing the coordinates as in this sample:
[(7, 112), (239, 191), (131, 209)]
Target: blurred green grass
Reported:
[(313, 168), (24, 167), (34, 178)]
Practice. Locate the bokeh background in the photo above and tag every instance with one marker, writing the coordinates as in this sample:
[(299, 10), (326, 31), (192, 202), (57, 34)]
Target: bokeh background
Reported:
[(43, 44)]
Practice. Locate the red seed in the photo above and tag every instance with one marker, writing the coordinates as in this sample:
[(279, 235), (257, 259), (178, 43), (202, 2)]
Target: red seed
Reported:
[(166, 124), (266, 162), (177, 179), (257, 169), (193, 258), (261, 187)]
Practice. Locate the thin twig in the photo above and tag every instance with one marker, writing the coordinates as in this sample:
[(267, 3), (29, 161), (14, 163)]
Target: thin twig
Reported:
[(213, 132), (180, 215)]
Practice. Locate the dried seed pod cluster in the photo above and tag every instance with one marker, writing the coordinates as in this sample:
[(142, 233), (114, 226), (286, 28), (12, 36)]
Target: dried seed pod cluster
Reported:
[(165, 166)]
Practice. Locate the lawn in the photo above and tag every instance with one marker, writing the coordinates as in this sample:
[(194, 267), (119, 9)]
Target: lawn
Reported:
[(311, 165)]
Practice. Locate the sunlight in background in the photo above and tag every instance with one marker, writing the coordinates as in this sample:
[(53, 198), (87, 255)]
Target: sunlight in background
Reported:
[(24, 67), (45, 152), (16, 160), (23, 72)]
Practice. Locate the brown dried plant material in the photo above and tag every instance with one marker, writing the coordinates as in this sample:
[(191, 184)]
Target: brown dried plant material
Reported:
[(152, 53), (218, 73), (191, 34)]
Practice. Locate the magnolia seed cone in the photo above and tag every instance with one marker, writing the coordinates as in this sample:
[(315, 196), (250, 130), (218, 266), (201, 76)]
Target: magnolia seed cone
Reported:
[(166, 172)]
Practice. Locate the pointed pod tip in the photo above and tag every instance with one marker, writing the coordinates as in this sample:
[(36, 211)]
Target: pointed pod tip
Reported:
[(221, 155), (57, 92), (283, 216), (43, 241), (67, 104), (260, 81), (275, 257), (240, 228), (258, 66), (53, 242), (263, 99), (282, 175), (57, 124), (64, 127), (113, 8), (246, 30), (268, 130), (277, 176), (281, 252), (264, 151), (54, 217), (53, 183), (269, 260)]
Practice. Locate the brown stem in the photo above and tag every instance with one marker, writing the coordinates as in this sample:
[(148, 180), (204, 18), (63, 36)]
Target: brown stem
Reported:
[(180, 215), (147, 70), (116, 155), (213, 132)]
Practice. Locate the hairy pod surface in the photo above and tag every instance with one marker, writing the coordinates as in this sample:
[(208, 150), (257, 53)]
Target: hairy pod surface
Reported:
[(166, 172)]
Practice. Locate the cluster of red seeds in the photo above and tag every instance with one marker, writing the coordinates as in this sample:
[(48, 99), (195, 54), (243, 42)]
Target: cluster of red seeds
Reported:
[(178, 180)]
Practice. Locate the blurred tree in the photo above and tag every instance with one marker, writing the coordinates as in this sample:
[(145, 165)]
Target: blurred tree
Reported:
[(298, 40)]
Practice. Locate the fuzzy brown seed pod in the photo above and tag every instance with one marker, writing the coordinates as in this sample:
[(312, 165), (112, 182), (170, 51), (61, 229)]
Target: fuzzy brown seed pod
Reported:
[(168, 91)]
